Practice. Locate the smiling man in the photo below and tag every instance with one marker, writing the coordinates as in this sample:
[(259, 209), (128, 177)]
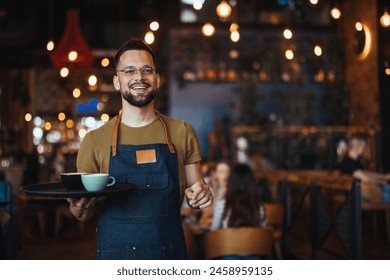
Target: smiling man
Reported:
[(159, 155)]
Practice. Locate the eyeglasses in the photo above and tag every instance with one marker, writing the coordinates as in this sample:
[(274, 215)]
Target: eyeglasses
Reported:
[(131, 71)]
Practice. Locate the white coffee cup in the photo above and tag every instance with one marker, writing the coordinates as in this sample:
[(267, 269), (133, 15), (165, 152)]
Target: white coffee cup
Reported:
[(96, 182)]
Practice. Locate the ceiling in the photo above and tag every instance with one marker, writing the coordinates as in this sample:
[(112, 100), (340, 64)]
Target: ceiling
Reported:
[(26, 26)]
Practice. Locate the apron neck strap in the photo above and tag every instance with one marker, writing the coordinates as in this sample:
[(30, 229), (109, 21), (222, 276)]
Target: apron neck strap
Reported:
[(167, 134), (115, 133), (116, 130)]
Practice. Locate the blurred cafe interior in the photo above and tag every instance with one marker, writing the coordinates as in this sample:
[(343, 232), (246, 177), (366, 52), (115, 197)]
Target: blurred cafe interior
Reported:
[(280, 85)]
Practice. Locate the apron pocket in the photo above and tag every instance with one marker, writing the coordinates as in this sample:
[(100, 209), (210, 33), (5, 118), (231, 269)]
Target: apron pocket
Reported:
[(150, 197)]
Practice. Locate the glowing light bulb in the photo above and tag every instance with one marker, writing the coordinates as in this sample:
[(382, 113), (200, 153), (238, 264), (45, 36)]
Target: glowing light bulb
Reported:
[(385, 20), (92, 80), (208, 29), (289, 54), (61, 116), (358, 26), (76, 93), (235, 36), (198, 5), (64, 72), (233, 27), (82, 133), (27, 117), (47, 125), (154, 25), (287, 33), (224, 10), (69, 123), (335, 13), (50, 45), (317, 50), (105, 117), (72, 55), (149, 38), (105, 62), (314, 2)]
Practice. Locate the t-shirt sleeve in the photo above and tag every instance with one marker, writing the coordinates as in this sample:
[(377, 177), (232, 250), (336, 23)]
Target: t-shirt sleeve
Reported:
[(192, 146), (86, 159)]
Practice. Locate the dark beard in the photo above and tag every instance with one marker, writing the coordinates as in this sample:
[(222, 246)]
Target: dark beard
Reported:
[(131, 99)]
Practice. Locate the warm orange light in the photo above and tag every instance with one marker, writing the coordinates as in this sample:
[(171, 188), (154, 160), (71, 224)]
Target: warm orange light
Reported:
[(358, 26), (47, 125), (367, 45), (76, 93), (105, 117), (287, 33), (198, 4), (105, 62), (50, 45), (27, 117), (208, 29), (105, 97), (385, 20), (235, 36), (233, 27), (317, 50), (61, 116), (335, 13), (92, 80), (72, 55), (387, 71), (224, 10), (149, 37), (69, 123), (64, 72), (154, 25), (82, 133), (289, 54)]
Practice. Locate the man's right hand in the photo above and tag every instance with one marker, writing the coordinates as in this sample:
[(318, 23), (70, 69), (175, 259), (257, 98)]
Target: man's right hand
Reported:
[(82, 208)]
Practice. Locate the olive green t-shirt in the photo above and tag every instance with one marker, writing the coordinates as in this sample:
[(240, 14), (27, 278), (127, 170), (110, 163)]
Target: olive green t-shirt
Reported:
[(94, 152)]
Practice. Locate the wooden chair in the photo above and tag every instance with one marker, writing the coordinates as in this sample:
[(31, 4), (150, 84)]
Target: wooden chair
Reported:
[(373, 204), (274, 219), (238, 241)]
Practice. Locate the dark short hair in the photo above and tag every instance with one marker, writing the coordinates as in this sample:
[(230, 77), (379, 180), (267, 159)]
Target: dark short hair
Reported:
[(133, 44)]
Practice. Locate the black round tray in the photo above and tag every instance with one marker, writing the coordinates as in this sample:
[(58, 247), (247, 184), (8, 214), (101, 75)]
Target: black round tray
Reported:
[(57, 190)]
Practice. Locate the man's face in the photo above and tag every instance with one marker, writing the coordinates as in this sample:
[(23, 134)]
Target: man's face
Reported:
[(136, 78)]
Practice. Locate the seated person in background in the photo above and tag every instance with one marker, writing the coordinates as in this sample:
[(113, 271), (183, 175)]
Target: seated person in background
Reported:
[(353, 163), (220, 172), (240, 207)]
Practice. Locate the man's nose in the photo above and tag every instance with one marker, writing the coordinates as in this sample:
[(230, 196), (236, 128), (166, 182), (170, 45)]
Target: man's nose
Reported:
[(137, 74)]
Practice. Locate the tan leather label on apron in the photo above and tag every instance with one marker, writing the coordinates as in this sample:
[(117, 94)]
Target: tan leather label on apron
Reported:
[(146, 156)]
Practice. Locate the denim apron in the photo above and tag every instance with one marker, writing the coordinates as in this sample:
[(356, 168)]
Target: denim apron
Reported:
[(145, 223)]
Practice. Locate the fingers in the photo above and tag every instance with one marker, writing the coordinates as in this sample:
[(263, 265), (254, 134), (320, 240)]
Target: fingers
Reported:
[(204, 202), (199, 195), (196, 189), (81, 207)]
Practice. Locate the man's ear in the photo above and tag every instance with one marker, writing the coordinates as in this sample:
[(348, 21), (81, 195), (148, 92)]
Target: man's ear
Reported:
[(115, 81), (158, 80)]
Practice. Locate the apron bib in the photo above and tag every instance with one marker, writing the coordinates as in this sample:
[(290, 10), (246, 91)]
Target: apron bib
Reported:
[(144, 223)]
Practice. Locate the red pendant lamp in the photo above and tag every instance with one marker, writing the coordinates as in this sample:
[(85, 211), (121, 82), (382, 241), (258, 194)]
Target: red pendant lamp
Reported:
[(73, 49)]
